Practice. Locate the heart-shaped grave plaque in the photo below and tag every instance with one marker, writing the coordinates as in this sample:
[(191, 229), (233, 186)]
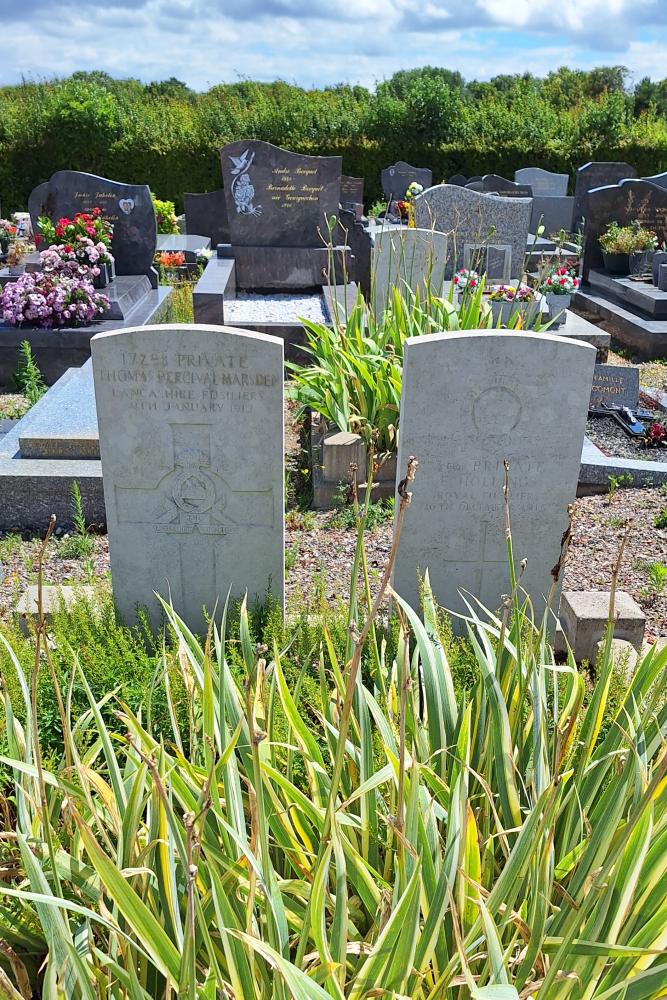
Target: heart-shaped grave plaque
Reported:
[(126, 205)]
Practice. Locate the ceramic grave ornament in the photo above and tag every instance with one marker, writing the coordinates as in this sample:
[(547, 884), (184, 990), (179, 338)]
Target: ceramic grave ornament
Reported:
[(191, 441), (470, 401), (128, 206), (278, 198)]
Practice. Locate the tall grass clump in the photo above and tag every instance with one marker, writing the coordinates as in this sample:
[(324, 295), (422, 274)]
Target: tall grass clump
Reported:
[(389, 840)]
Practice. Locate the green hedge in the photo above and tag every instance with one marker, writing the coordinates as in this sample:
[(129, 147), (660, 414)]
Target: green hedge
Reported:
[(169, 137)]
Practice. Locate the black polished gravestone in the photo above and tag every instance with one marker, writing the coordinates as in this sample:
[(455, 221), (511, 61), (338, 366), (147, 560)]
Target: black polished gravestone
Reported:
[(354, 234), (206, 215), (458, 180), (397, 178), (351, 191), (615, 385), (494, 184), (594, 175), (623, 203), (276, 198), (659, 179), (128, 206)]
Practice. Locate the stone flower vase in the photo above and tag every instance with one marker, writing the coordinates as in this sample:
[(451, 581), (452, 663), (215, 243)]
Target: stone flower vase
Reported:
[(641, 261), (659, 257), (102, 279), (557, 306), (616, 263)]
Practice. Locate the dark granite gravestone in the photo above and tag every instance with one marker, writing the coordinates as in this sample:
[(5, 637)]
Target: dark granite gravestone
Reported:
[(554, 213), (492, 260), (459, 180), (494, 184), (622, 203), (351, 191), (276, 198), (475, 184), (397, 178), (595, 175), (615, 385), (354, 234), (206, 215), (127, 206), (544, 183), (659, 179)]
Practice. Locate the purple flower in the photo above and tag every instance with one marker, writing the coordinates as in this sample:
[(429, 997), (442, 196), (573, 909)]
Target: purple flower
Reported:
[(51, 299)]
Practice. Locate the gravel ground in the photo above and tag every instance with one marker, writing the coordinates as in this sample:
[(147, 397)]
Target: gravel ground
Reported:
[(12, 405), (651, 373), (610, 438), (279, 308)]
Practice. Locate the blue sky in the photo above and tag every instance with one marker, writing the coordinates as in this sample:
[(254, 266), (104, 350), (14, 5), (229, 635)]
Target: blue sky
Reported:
[(317, 42)]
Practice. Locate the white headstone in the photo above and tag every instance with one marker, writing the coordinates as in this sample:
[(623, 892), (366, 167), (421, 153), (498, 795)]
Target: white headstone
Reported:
[(191, 441), (413, 257), (469, 401)]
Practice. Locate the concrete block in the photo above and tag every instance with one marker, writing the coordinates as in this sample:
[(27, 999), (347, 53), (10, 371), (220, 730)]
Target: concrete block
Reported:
[(584, 614), (53, 599), (339, 450)]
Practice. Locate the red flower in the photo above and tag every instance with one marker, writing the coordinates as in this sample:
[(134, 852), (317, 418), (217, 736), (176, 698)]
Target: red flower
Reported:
[(562, 281), (456, 279), (97, 212), (68, 248), (38, 239), (472, 282)]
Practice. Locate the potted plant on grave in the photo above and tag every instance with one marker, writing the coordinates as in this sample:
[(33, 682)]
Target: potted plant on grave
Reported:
[(51, 299), (617, 244), (7, 233), (645, 244), (513, 304), (466, 278), (558, 287), (88, 237)]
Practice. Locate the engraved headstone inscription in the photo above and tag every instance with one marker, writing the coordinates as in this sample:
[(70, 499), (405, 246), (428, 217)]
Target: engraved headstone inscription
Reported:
[(351, 191), (397, 178), (191, 441), (278, 198), (623, 203), (128, 206), (615, 385), (470, 401)]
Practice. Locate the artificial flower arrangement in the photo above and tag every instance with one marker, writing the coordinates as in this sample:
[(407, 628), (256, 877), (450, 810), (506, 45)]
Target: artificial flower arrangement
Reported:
[(170, 258), (466, 278), (655, 435), (559, 282), (51, 299), (511, 293), (413, 190), (7, 232)]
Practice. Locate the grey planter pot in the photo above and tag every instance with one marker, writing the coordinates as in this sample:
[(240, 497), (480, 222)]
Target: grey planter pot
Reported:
[(616, 263), (557, 306), (641, 261), (659, 257), (103, 278), (506, 311)]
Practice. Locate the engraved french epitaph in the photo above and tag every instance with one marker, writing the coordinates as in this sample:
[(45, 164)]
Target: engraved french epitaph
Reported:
[(128, 206), (615, 385), (625, 203), (278, 198), (470, 401), (190, 427)]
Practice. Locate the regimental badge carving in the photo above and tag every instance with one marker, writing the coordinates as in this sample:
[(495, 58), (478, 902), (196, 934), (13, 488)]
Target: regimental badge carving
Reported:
[(243, 190), (126, 205)]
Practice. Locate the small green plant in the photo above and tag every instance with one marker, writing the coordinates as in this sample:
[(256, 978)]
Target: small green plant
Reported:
[(10, 546), (380, 512), (300, 520), (656, 583), (165, 215), (615, 482), (80, 544), (660, 520), (28, 377), (291, 556)]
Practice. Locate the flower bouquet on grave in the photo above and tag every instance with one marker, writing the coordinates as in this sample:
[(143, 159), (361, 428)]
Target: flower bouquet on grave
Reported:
[(171, 264), (655, 435), (7, 233), (513, 305), (50, 299), (558, 287), (414, 189), (89, 237)]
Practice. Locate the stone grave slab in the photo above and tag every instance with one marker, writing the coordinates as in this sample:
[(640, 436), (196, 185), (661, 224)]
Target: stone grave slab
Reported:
[(615, 385), (206, 215), (649, 300), (594, 175), (495, 184), (622, 203), (191, 439), (470, 217), (354, 234), (493, 260), (554, 213), (127, 206), (397, 178), (416, 258), (470, 401), (63, 424), (544, 183), (276, 198)]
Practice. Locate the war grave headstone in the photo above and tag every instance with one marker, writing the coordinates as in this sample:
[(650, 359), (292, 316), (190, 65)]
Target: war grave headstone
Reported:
[(469, 402), (593, 175), (470, 217), (416, 258), (397, 178), (615, 385), (544, 183), (191, 440), (135, 297), (277, 266), (494, 184), (206, 215), (352, 194)]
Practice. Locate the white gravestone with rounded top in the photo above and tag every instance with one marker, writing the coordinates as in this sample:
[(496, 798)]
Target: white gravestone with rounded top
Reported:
[(191, 441), (469, 401)]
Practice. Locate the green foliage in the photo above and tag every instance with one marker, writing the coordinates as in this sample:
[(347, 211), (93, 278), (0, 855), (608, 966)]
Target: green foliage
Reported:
[(10, 546), (616, 482), (165, 216), (28, 377), (660, 520), (169, 137), (380, 512), (79, 544), (656, 581)]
